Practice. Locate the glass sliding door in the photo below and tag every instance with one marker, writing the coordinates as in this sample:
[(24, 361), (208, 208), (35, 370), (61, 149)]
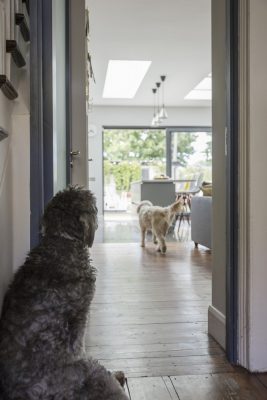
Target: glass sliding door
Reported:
[(189, 156), (145, 154), (130, 155)]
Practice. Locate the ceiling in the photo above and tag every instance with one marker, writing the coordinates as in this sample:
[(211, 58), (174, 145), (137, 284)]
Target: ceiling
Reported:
[(174, 34)]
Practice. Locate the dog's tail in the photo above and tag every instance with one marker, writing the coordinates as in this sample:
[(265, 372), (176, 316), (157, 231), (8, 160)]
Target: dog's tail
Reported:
[(143, 203)]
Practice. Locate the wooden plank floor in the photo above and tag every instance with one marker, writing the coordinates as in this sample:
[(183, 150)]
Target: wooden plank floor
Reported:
[(149, 319)]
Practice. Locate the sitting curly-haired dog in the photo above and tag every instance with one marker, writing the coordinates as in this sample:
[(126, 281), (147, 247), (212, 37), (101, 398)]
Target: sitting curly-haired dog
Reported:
[(158, 220), (45, 309)]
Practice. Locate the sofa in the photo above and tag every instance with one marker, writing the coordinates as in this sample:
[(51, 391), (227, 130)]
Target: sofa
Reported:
[(201, 220)]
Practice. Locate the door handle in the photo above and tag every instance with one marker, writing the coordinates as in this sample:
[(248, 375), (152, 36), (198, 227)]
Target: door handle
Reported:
[(75, 153)]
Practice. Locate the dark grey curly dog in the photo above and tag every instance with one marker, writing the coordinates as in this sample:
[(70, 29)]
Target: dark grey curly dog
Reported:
[(45, 309)]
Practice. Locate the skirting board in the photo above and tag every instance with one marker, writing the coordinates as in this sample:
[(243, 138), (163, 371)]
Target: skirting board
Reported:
[(217, 326)]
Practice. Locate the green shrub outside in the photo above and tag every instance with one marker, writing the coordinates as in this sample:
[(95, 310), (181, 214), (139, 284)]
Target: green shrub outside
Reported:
[(124, 173)]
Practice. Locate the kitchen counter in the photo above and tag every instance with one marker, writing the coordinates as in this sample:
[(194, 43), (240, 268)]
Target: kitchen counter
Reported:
[(160, 192)]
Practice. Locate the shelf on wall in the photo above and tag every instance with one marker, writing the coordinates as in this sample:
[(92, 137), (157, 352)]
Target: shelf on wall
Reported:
[(3, 134), (23, 26), (12, 47), (7, 88)]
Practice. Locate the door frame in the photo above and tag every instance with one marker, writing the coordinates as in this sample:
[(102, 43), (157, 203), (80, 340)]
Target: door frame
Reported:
[(40, 175), (36, 122), (41, 111), (232, 187)]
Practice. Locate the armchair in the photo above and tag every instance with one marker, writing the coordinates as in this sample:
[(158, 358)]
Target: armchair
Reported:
[(188, 186), (201, 220)]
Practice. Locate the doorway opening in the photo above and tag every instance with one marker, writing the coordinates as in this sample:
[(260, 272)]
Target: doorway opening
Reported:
[(187, 71), (108, 117)]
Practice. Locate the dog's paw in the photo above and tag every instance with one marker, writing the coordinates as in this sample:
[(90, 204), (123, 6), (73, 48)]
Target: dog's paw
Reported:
[(119, 375), (163, 249)]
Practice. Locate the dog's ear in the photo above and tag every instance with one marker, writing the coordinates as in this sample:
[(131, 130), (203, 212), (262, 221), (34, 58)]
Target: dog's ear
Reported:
[(89, 224), (180, 200), (177, 206)]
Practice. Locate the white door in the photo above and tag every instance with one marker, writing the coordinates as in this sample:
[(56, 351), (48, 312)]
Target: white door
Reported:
[(77, 91), (59, 93), (70, 160)]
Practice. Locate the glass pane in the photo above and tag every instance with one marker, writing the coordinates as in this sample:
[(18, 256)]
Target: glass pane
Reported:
[(191, 159), (130, 155)]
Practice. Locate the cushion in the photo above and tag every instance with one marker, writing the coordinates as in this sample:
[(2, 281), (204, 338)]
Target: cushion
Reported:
[(206, 188)]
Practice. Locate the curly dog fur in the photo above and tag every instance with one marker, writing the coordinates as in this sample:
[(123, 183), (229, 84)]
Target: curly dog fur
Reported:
[(158, 220), (45, 312)]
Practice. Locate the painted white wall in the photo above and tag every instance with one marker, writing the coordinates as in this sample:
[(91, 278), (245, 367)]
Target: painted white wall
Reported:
[(14, 180), (132, 116), (6, 220), (218, 306), (258, 189)]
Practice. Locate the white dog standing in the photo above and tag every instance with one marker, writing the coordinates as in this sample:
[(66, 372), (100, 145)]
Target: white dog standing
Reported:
[(157, 219)]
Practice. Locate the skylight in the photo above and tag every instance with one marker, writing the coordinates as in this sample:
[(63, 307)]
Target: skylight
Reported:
[(202, 91), (124, 77)]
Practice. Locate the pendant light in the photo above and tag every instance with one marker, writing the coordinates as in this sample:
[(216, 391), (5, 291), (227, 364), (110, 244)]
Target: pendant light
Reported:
[(163, 113), (159, 110)]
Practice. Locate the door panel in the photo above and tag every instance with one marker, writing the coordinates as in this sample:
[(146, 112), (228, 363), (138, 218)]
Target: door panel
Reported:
[(59, 94), (77, 92)]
